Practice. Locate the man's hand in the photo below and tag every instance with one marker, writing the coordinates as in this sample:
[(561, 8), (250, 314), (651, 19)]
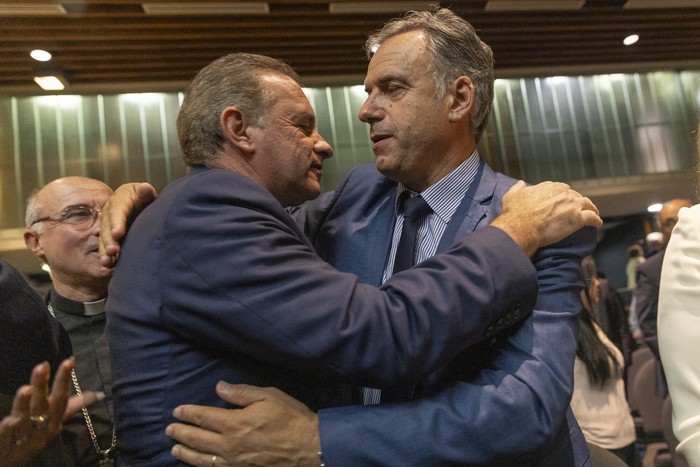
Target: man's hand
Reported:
[(126, 202), (37, 415), (539, 215), (270, 429)]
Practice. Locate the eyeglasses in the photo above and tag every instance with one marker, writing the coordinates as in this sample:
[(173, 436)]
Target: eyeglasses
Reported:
[(73, 215)]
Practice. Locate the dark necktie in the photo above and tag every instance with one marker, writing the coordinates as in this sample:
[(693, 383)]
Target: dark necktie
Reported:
[(413, 210)]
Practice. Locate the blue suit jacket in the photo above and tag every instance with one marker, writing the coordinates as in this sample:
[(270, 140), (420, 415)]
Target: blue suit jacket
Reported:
[(505, 403), (646, 298), (217, 281)]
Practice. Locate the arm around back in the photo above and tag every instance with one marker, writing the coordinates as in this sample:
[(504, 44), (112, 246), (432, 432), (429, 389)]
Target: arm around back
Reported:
[(512, 413)]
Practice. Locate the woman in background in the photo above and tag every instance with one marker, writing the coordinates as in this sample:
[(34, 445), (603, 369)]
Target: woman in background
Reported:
[(599, 401), (679, 329)]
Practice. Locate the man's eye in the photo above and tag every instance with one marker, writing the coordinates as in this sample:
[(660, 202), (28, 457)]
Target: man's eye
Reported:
[(77, 214)]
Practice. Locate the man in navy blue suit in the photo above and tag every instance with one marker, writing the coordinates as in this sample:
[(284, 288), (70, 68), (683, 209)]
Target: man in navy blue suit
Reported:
[(506, 402)]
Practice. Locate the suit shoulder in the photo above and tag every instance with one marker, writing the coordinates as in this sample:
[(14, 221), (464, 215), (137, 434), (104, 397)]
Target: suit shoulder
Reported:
[(653, 263)]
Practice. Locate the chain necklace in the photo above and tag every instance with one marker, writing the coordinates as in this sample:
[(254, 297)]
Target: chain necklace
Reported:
[(105, 453)]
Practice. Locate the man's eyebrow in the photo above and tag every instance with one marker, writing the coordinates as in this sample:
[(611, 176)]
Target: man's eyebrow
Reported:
[(384, 80), (305, 118)]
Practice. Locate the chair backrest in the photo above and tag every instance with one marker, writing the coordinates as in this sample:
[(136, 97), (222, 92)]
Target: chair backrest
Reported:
[(667, 420), (603, 458), (650, 403), (639, 357)]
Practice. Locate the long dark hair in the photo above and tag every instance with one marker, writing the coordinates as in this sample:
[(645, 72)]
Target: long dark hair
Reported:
[(591, 350)]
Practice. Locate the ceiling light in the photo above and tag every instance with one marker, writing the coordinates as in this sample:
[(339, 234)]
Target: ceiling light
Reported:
[(54, 82), (631, 39), (375, 7), (33, 9), (655, 207), (207, 8), (639, 4), (533, 5), (40, 55)]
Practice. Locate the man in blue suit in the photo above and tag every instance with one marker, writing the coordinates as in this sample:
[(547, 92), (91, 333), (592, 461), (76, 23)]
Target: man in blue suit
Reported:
[(430, 88), (216, 280)]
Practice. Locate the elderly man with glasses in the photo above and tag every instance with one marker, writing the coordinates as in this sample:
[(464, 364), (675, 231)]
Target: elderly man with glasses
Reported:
[(63, 233)]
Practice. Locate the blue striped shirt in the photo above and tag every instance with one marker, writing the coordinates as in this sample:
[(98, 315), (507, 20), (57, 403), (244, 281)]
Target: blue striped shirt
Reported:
[(444, 197)]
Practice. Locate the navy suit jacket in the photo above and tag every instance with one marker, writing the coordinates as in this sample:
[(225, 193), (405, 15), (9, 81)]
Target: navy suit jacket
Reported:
[(217, 281), (646, 298), (505, 403)]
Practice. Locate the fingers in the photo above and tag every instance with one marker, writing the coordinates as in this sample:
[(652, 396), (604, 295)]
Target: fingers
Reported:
[(197, 439), (76, 402), (39, 404), (127, 199), (210, 418), (145, 193), (192, 457), (241, 395)]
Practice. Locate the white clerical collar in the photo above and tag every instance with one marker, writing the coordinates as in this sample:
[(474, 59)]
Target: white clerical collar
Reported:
[(94, 308)]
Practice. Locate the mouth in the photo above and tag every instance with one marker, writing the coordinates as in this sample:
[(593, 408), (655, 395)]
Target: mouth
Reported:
[(375, 138), (317, 169)]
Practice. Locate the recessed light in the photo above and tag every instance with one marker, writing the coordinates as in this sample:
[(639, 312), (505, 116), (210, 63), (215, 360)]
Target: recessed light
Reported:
[(376, 7), (533, 5), (50, 83), (206, 8), (631, 39), (40, 55)]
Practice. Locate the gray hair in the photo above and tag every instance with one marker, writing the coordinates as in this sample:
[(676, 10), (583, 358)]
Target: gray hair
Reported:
[(33, 207), (456, 49), (232, 80)]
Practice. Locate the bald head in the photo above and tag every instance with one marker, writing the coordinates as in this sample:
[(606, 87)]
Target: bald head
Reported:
[(62, 230)]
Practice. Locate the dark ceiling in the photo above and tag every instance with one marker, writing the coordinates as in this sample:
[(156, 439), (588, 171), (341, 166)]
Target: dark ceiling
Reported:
[(110, 45)]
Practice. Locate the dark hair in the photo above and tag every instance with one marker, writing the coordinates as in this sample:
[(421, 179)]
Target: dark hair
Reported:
[(232, 80), (591, 350)]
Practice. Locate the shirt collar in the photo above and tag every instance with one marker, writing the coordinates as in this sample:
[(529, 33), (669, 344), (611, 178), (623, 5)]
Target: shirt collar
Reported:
[(445, 196), (73, 307)]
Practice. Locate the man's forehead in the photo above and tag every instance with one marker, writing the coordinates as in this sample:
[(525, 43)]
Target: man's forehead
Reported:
[(396, 56), (67, 193)]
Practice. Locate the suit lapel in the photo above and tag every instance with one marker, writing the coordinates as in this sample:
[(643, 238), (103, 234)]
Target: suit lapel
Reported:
[(473, 211)]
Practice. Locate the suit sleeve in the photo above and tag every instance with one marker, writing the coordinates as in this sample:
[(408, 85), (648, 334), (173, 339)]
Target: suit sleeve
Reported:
[(509, 411), (679, 329), (242, 279), (646, 295)]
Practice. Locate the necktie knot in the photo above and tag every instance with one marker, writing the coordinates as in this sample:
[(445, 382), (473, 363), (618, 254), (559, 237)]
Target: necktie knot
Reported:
[(415, 207)]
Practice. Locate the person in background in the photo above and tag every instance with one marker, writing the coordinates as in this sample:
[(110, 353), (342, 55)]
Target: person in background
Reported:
[(31, 343), (646, 293), (610, 315), (62, 230), (635, 257), (430, 88), (599, 402), (679, 328), (654, 243)]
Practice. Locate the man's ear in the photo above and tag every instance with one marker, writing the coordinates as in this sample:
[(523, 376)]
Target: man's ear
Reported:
[(235, 126), (462, 95), (31, 239)]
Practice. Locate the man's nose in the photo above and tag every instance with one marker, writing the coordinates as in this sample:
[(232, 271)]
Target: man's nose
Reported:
[(323, 148), (369, 111)]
